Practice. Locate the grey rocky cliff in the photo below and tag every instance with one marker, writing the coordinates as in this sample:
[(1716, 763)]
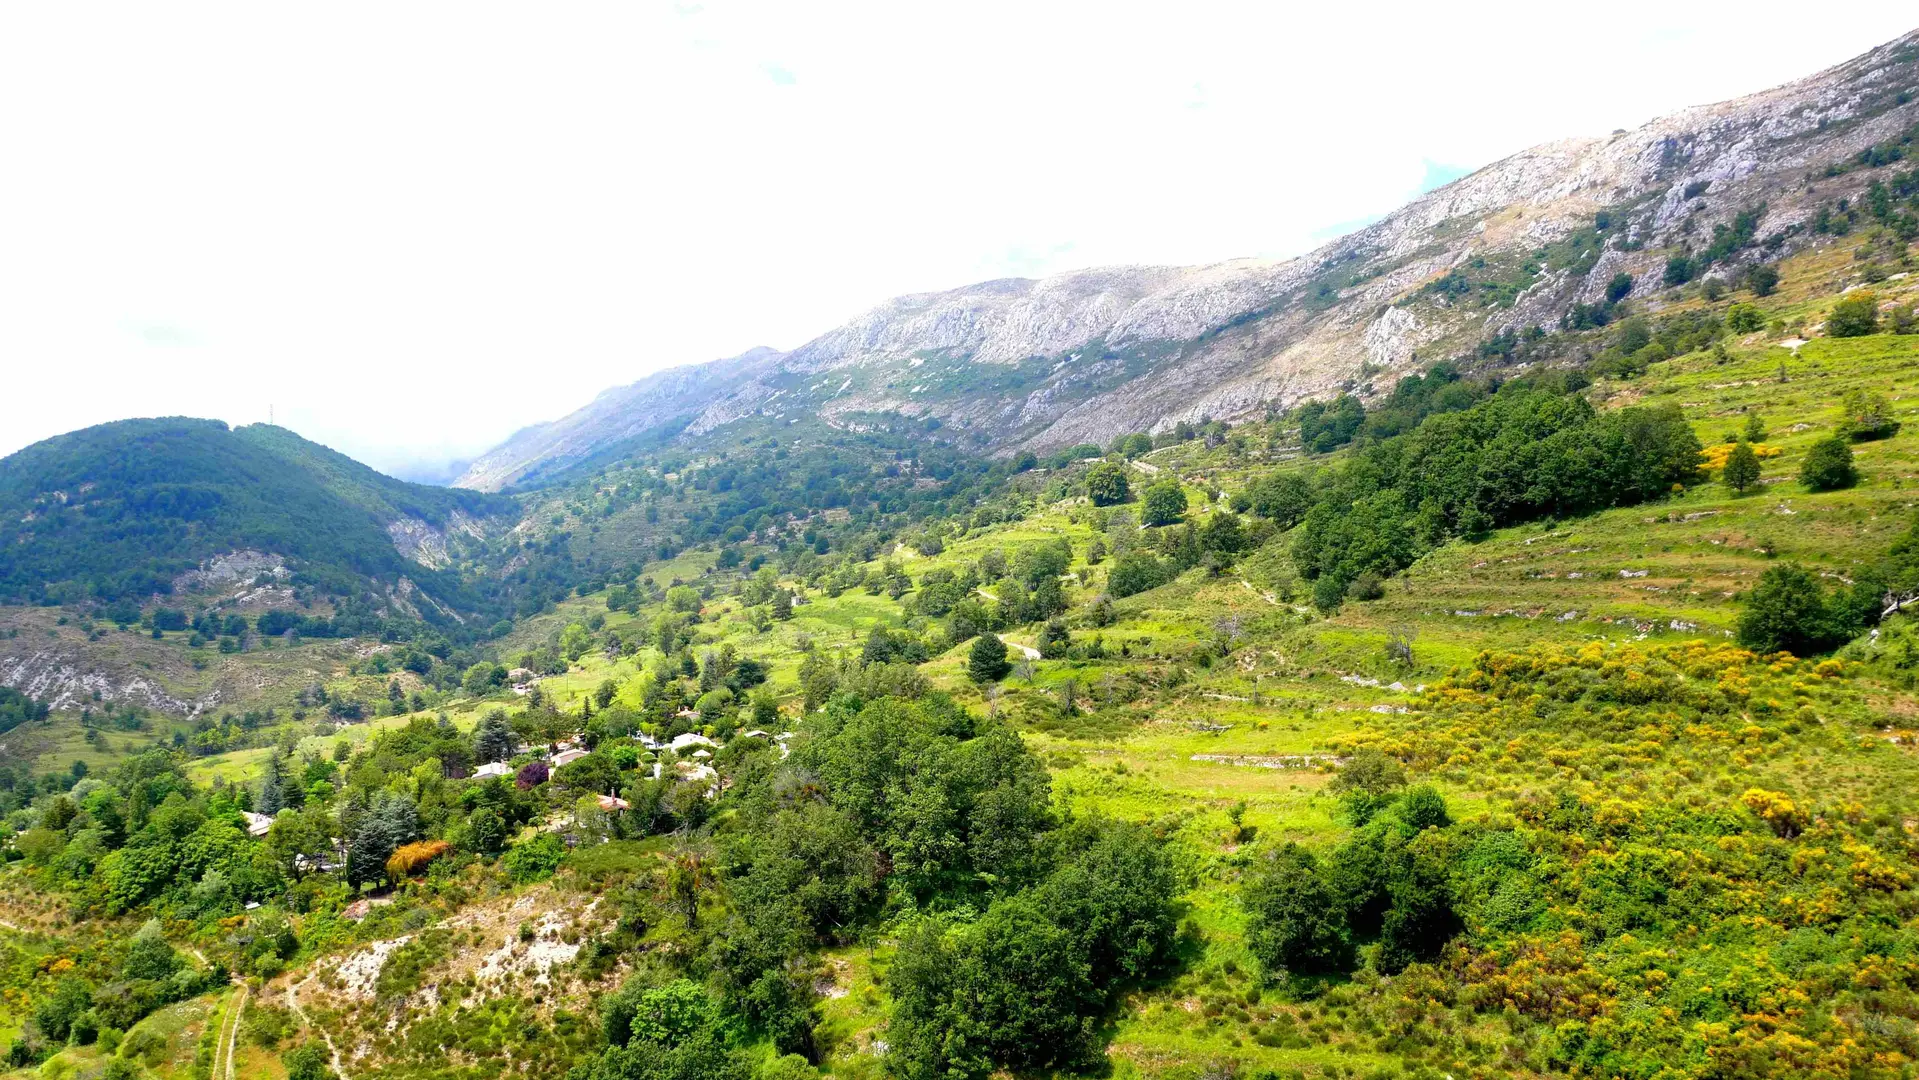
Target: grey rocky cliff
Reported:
[(1105, 351)]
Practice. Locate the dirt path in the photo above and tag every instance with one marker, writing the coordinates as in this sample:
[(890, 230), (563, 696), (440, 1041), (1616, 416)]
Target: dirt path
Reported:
[(1027, 651), (293, 1002), (229, 1037)]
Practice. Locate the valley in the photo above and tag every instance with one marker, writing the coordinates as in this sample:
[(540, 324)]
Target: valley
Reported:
[(1481, 648)]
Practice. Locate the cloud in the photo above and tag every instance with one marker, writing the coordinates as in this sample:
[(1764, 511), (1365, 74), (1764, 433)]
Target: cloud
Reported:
[(414, 229)]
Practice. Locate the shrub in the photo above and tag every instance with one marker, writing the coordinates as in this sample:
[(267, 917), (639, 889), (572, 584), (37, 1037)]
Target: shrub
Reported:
[(409, 859), (1854, 316), (1744, 318), (534, 860)]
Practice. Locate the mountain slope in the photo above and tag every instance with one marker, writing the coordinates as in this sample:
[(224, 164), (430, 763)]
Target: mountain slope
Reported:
[(1086, 356), (124, 509)]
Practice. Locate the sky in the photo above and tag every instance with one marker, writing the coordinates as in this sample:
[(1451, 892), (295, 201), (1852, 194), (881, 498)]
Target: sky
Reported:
[(408, 230)]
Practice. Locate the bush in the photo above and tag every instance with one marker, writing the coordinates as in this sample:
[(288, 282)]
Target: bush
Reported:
[(410, 859), (1829, 466), (1855, 315), (1745, 318), (1366, 586), (533, 860)]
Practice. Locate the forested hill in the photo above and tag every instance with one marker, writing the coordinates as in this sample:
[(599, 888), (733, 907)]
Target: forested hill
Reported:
[(119, 511)]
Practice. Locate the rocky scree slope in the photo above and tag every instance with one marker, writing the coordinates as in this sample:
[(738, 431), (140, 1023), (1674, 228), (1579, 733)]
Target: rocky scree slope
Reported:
[(1088, 355)]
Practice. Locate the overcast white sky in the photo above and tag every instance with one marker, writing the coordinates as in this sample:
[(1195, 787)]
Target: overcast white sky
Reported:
[(413, 228)]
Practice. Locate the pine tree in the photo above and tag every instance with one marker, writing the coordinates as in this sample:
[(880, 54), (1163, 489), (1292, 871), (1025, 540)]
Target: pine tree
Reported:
[(271, 799), (1742, 468), (986, 662), (493, 738)]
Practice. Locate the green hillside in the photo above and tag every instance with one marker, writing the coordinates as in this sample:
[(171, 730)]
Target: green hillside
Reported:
[(1440, 738), (114, 512)]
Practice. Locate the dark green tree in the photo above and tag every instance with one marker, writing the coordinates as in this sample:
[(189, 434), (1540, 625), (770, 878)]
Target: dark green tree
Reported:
[(1106, 484), (1294, 923), (986, 660), (1787, 611), (1742, 468), (1828, 465), (1163, 504)]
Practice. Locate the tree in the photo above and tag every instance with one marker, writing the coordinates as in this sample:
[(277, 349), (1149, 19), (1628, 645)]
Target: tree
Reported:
[(483, 678), (1368, 783), (1828, 465), (1762, 279), (1420, 918), (307, 1061), (1855, 315), (1788, 612), (575, 640), (1755, 428), (1744, 318), (1294, 923), (1869, 417), (1282, 498), (1011, 990), (1136, 572), (1679, 270), (1106, 484), (1618, 288), (1054, 639), (689, 875), (1742, 468), (1164, 503), (986, 660), (493, 737)]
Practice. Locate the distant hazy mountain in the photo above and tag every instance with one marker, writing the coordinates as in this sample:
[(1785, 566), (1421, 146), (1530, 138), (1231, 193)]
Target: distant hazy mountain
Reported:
[(1085, 356)]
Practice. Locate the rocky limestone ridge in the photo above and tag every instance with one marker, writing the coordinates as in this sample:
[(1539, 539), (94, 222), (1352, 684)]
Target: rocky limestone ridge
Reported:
[(1106, 351), (64, 679)]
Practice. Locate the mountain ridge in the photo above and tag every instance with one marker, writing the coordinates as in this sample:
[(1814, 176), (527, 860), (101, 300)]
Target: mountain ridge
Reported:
[(1107, 350)]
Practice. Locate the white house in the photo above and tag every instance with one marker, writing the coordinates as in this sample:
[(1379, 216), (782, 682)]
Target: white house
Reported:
[(681, 742), (257, 824), (493, 768), (567, 757)]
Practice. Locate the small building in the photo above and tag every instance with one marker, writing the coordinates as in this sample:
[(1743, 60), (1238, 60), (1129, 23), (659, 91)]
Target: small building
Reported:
[(611, 803), (702, 753), (257, 824), (567, 757), (681, 742), (756, 733), (493, 768)]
